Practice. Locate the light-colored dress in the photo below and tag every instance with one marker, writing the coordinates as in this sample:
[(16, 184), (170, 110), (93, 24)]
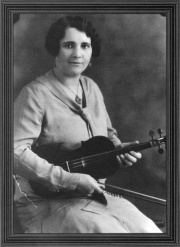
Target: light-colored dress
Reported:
[(44, 114)]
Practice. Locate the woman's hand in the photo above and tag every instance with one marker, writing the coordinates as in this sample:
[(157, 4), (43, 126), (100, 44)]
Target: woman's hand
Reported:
[(128, 158), (87, 185)]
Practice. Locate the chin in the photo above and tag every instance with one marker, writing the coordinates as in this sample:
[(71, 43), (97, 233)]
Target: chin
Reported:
[(76, 72)]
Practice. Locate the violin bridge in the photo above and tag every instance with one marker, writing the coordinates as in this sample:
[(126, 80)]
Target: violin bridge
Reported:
[(67, 166), (83, 163)]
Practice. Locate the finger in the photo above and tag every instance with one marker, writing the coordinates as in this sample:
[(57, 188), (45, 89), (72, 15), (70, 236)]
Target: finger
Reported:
[(122, 161), (127, 162), (90, 194), (98, 189), (130, 158), (136, 154), (119, 161), (126, 144)]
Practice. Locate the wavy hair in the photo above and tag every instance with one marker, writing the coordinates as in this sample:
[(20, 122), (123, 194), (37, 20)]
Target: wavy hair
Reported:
[(57, 32)]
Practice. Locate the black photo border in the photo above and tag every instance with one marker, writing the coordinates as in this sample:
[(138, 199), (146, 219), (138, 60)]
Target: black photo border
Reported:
[(170, 9)]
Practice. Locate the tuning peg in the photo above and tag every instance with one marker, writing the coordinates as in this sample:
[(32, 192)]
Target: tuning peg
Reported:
[(151, 133), (160, 150), (160, 132)]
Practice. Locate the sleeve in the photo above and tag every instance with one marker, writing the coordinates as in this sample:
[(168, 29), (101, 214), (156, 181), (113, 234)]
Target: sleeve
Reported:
[(112, 133), (28, 116)]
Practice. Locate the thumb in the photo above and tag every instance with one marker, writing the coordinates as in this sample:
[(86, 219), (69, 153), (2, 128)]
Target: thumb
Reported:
[(127, 144), (97, 189)]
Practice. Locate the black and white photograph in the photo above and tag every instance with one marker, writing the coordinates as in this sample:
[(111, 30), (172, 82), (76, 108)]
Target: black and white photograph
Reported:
[(90, 124)]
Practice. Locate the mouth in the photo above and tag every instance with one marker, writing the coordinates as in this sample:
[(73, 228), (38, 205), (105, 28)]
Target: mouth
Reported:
[(75, 63)]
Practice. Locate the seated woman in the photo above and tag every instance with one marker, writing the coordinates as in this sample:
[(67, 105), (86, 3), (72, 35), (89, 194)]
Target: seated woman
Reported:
[(64, 108)]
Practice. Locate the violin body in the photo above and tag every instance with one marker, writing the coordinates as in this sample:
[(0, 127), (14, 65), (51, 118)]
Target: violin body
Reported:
[(79, 160)]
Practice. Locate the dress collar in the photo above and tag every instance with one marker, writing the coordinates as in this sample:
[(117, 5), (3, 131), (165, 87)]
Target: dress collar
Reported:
[(56, 88)]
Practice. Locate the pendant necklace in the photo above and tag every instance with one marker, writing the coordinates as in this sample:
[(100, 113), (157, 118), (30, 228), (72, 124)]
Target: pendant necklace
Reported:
[(77, 98)]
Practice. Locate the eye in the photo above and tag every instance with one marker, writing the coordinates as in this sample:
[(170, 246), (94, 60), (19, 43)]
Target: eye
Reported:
[(68, 46), (86, 45)]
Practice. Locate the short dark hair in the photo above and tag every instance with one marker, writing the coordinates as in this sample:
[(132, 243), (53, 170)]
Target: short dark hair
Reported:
[(57, 32)]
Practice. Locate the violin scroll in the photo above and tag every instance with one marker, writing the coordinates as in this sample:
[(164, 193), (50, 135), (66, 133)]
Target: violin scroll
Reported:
[(158, 142)]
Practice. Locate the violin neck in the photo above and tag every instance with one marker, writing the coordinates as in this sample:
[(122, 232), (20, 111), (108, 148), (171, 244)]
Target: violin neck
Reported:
[(137, 147)]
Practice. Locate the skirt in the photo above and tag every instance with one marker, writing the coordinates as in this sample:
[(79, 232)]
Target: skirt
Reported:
[(67, 214)]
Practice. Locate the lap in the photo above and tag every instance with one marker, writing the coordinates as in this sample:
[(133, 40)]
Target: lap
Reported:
[(81, 215)]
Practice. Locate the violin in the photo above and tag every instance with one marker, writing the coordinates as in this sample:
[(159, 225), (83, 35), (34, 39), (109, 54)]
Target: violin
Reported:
[(96, 157)]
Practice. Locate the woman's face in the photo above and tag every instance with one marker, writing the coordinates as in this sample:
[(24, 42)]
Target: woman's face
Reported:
[(74, 53)]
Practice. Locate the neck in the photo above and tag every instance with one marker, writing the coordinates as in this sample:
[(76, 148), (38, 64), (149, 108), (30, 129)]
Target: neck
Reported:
[(71, 82)]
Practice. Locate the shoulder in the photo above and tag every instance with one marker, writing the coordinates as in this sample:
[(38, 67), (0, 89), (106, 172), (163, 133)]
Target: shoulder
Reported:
[(35, 87), (90, 84), (88, 81), (33, 95)]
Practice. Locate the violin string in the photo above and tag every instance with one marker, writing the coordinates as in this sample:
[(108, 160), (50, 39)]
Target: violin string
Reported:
[(88, 160), (86, 163), (136, 147)]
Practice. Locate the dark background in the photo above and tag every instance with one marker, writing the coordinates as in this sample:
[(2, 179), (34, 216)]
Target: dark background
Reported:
[(131, 72)]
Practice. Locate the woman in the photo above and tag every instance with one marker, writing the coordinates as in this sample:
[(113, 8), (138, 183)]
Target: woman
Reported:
[(64, 107)]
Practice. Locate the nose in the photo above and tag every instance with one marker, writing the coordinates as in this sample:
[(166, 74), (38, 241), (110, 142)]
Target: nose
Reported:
[(77, 52)]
